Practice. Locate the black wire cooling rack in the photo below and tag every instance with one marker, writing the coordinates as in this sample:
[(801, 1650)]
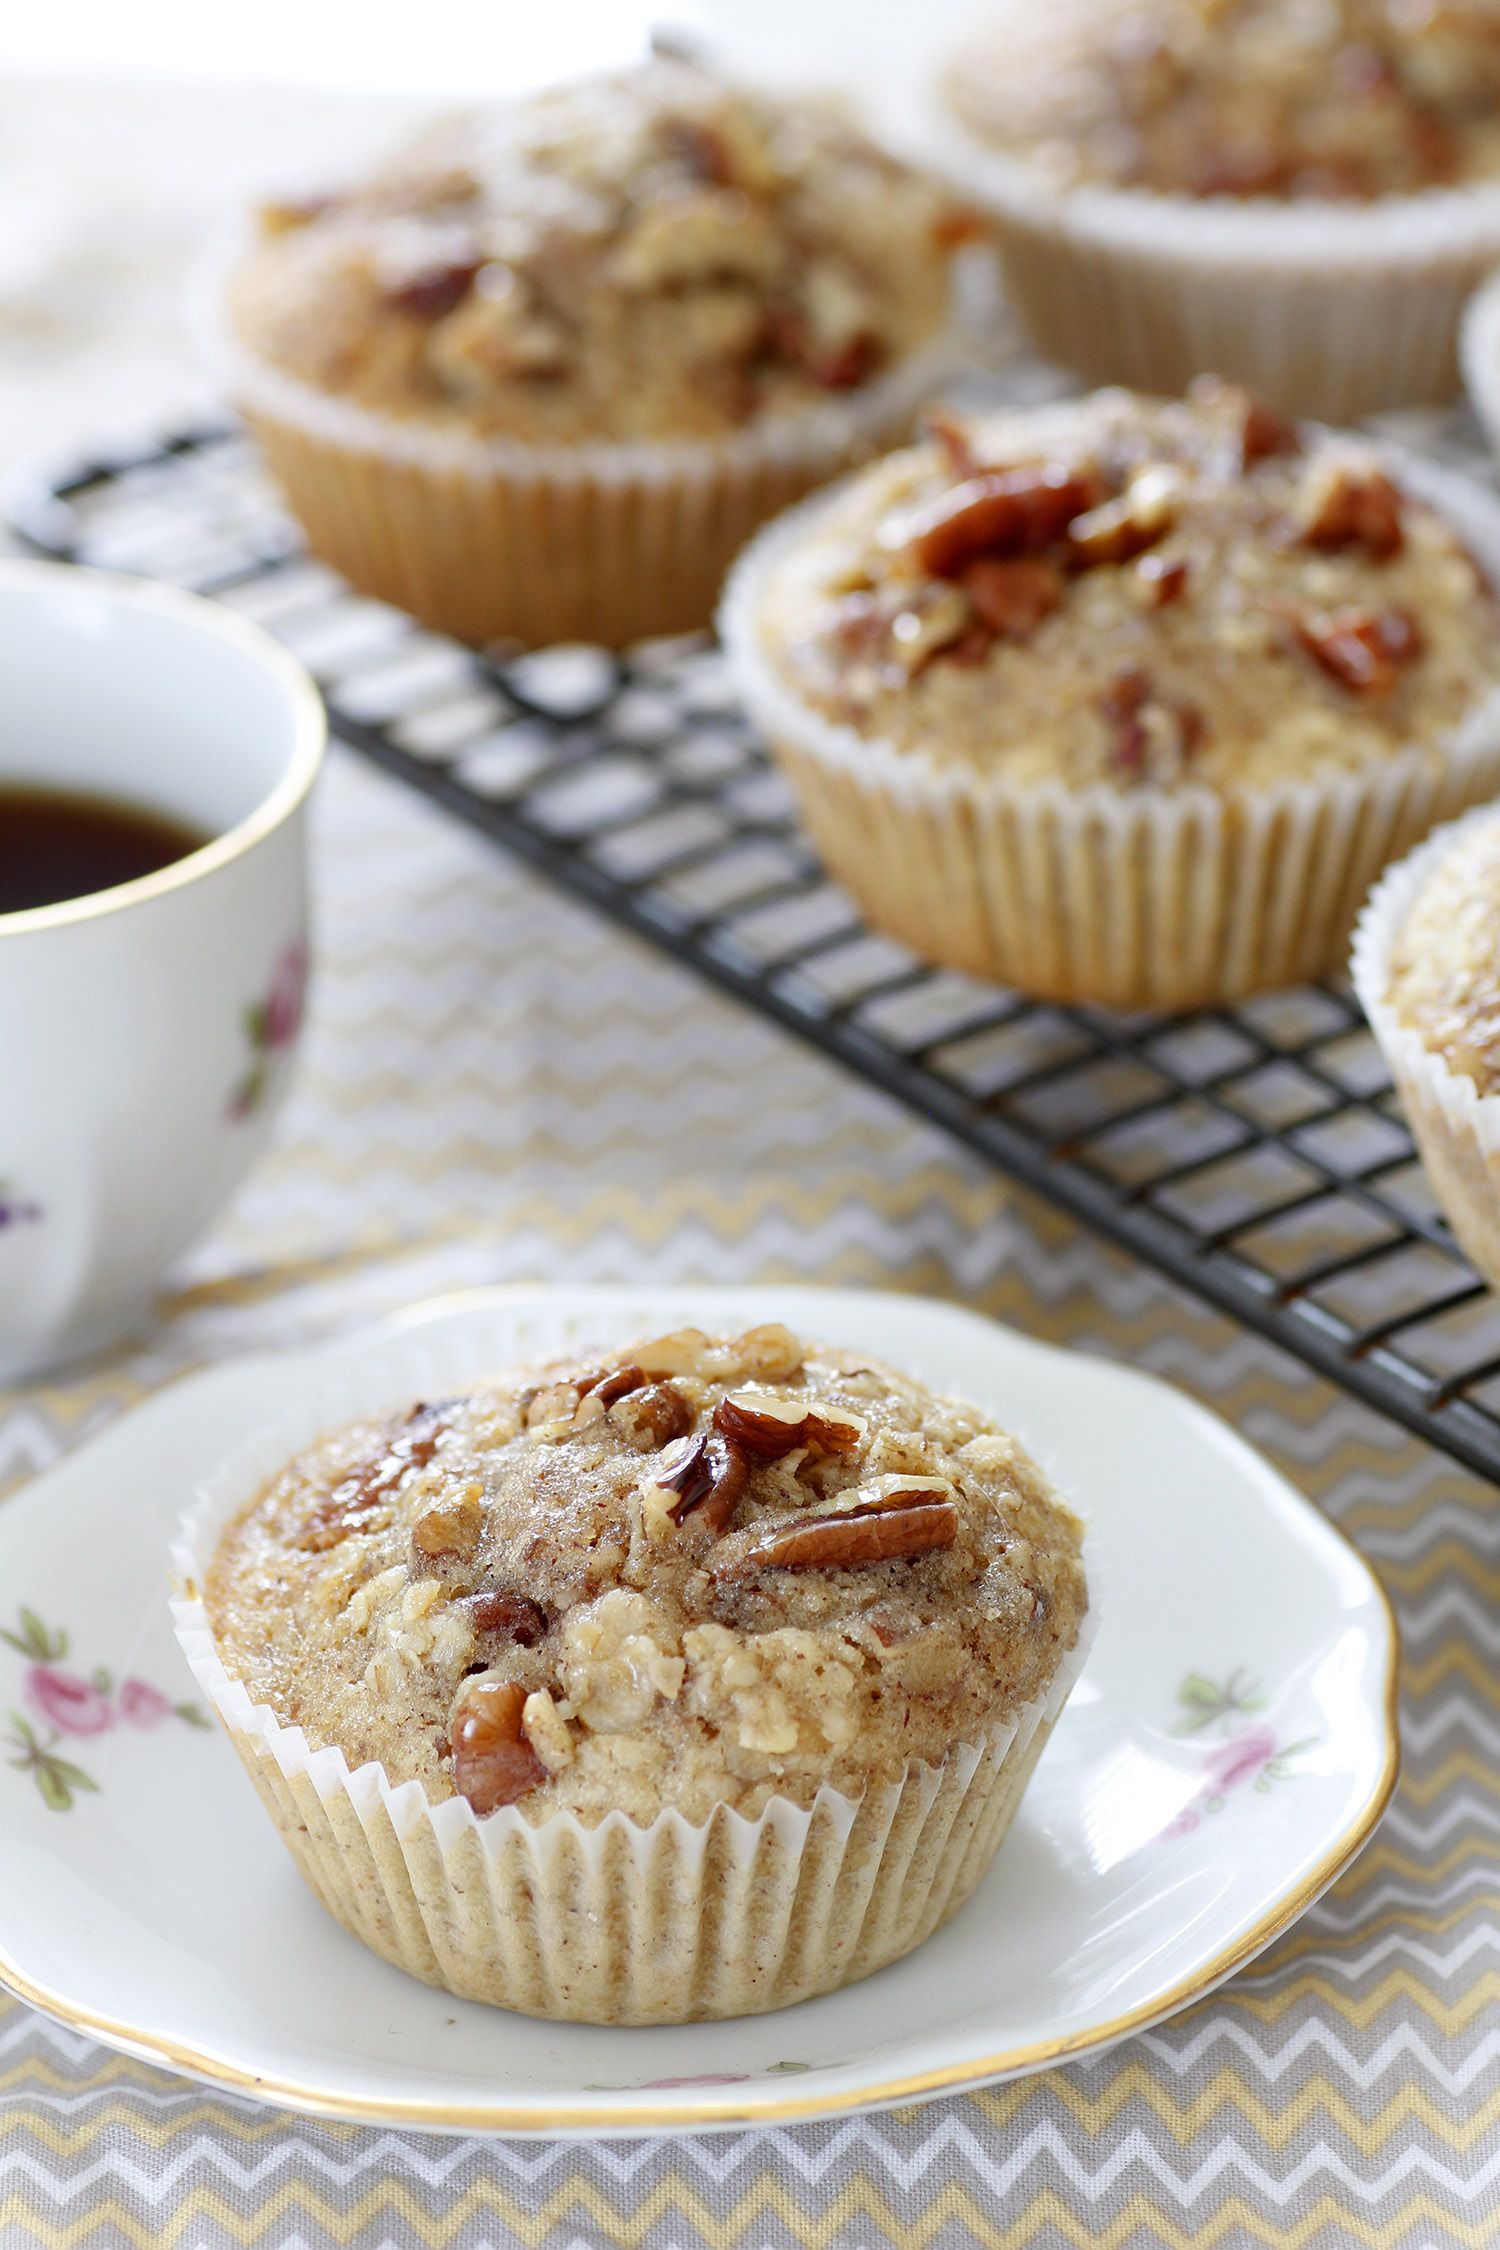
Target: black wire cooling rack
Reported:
[(1255, 1155)]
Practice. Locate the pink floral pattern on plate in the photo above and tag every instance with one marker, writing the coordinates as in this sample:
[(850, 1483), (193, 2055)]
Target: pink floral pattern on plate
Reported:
[(271, 1025), (1245, 1754), (73, 1706)]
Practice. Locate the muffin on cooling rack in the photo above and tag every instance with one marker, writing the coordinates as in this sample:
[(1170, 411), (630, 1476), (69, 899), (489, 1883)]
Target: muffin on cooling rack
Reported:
[(1126, 700), (684, 1682), (1301, 196), (1427, 971), (540, 377)]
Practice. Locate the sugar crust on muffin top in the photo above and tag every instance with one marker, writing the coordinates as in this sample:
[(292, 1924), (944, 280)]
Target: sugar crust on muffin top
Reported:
[(645, 255), (1444, 980), (696, 1571), (1133, 591)]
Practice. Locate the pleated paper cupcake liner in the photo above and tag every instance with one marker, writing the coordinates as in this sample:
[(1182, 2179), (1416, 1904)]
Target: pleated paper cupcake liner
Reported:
[(491, 539), (1331, 310), (1479, 354), (615, 1923), (1457, 1129), (1140, 898)]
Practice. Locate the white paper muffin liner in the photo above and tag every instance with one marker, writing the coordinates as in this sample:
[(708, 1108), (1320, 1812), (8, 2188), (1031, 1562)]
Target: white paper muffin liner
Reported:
[(1140, 898), (672, 1923), (1325, 309), (1457, 1129), (490, 539), (1479, 355)]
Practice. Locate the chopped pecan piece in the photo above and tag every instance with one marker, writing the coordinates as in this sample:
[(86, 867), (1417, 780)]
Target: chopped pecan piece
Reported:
[(952, 436), (710, 1474), (1012, 597), (933, 619), (699, 148), (436, 290), (1364, 650), (1344, 506), (513, 1617), (449, 1527), (618, 1382), (1164, 577), (1266, 435), (1000, 512), (651, 1418), (767, 1426), (355, 1499), (493, 1763), (1140, 721), (1126, 526), (1258, 432), (896, 1527)]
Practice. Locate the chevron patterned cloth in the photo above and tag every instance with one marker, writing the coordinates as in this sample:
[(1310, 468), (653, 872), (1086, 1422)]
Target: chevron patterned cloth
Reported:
[(497, 1087)]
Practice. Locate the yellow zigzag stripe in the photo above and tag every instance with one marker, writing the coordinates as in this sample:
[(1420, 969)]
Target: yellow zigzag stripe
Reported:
[(1276, 2119), (679, 2208)]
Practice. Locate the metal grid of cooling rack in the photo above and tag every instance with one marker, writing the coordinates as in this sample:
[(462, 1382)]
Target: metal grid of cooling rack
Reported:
[(1254, 1154)]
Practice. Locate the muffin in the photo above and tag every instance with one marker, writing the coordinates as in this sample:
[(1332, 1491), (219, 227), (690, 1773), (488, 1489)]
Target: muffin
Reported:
[(1302, 197), (683, 1682), (540, 377), (1126, 700), (1479, 354), (1427, 971)]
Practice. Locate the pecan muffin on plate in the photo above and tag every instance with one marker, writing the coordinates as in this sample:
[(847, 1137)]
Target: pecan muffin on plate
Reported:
[(1126, 700), (1302, 196), (1427, 971), (540, 377), (685, 1682)]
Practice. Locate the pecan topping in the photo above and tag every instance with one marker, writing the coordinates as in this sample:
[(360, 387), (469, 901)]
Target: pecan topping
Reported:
[(915, 1517), (356, 1499), (767, 1426), (1141, 722), (1164, 578), (449, 1527), (514, 1617), (618, 1383), (1364, 650), (1000, 512), (1128, 525), (1265, 433), (649, 1419), (436, 290), (710, 1474), (846, 365), (1353, 507), (1012, 597), (493, 1763), (952, 437)]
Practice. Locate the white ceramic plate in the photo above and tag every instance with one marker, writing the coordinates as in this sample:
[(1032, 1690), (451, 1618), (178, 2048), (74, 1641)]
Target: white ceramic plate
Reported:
[(1230, 1747)]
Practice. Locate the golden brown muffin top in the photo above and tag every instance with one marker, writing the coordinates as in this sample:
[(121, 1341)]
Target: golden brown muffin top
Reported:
[(1309, 100), (1133, 592), (700, 1570), (647, 255), (1445, 958)]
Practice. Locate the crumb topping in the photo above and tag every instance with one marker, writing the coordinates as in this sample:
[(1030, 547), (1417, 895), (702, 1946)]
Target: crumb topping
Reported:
[(650, 254), (1135, 592), (707, 1570), (1341, 100)]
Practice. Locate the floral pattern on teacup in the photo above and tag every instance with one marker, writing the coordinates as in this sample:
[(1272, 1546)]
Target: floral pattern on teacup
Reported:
[(16, 1210), (271, 1025), (63, 1705), (1245, 1755)]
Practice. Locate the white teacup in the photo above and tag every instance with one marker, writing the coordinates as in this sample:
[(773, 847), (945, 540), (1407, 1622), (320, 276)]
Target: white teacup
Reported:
[(146, 1032)]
